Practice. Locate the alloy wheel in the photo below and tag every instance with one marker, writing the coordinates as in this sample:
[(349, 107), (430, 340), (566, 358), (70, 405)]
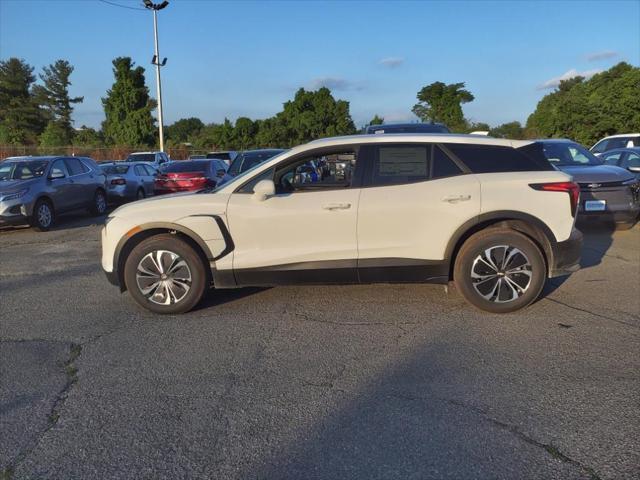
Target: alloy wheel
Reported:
[(501, 273), (44, 215), (163, 277)]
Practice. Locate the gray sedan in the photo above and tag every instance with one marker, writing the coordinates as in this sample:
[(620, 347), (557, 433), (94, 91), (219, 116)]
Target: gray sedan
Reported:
[(35, 189), (129, 180)]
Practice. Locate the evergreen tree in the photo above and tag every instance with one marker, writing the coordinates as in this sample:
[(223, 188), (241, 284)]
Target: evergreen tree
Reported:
[(128, 107)]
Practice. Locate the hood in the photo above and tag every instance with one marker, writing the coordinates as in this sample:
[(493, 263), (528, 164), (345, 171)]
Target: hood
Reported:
[(8, 186), (597, 173), (175, 206)]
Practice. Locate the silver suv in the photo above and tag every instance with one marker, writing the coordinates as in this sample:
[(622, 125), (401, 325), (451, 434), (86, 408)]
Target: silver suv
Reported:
[(34, 190)]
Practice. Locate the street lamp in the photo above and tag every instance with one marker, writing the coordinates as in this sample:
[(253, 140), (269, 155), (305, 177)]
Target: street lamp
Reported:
[(148, 4)]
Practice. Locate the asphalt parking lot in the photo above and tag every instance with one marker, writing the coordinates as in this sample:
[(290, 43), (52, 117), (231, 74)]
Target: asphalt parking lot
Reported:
[(384, 381)]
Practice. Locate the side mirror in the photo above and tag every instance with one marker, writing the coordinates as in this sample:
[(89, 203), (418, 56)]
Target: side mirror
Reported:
[(634, 169), (56, 175), (263, 190)]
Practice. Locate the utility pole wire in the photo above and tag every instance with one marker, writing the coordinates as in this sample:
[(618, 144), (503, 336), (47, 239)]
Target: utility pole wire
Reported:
[(121, 6)]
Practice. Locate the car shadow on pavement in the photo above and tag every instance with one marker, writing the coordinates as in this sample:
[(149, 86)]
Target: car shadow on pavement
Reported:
[(214, 298)]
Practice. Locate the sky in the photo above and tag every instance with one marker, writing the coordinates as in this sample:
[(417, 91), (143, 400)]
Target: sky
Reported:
[(246, 58)]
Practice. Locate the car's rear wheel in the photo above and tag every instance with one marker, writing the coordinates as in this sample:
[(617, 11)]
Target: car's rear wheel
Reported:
[(43, 216), (499, 270), (165, 274), (99, 206)]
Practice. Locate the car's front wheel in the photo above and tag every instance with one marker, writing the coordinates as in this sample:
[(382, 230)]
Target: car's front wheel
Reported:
[(99, 206), (499, 270), (165, 274), (43, 215)]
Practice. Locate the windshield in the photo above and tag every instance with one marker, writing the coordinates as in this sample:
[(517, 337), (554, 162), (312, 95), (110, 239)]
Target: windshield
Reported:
[(142, 157), (22, 170), (569, 154), (199, 166), (115, 169), (248, 160)]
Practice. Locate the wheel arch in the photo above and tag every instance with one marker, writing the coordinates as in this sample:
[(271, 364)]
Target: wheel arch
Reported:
[(534, 228), (142, 232), (46, 197)]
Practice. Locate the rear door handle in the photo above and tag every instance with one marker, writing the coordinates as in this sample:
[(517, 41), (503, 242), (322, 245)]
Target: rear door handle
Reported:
[(456, 198), (337, 206)]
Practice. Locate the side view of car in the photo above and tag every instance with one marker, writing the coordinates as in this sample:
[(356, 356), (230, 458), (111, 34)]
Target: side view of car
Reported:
[(249, 159), (159, 160), (623, 140), (407, 128), (492, 215), (628, 158), (35, 190), (607, 193), (128, 181), (187, 176)]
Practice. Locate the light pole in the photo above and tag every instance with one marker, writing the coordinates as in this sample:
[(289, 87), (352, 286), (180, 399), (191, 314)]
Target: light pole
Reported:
[(156, 61)]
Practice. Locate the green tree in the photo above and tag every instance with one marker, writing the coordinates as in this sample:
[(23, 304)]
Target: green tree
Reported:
[(21, 120), (244, 133), (87, 137), (184, 130), (53, 97), (478, 127), (512, 130), (128, 107), (440, 102), (587, 110), (376, 120), (54, 135), (312, 115)]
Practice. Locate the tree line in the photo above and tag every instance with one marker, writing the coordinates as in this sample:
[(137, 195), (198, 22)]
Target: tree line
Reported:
[(38, 111)]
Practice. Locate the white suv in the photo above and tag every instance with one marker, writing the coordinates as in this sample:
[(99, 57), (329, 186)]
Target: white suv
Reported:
[(490, 214)]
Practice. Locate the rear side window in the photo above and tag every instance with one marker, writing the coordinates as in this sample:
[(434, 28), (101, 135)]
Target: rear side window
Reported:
[(397, 164), (140, 171), (75, 166), (443, 166), (495, 159)]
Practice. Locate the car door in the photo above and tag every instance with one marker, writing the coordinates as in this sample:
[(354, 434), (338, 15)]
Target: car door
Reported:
[(81, 183), (62, 186), (306, 232), (149, 178), (414, 197)]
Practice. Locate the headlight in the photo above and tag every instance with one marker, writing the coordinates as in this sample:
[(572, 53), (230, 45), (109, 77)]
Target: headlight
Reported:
[(14, 195)]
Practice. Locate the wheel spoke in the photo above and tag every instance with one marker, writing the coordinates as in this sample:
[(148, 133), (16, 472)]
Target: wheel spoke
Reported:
[(501, 273)]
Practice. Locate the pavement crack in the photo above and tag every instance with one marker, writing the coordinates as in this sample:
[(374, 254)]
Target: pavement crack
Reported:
[(584, 310)]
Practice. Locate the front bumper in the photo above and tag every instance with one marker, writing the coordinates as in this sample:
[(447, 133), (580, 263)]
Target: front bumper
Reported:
[(566, 255), (14, 212)]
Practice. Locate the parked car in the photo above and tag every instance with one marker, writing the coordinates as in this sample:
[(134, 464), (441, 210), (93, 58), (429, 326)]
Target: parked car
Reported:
[(607, 192), (628, 158), (625, 140), (197, 157), (129, 180), (490, 214), (35, 190), (407, 128), (249, 159), (159, 160), (227, 156), (189, 176)]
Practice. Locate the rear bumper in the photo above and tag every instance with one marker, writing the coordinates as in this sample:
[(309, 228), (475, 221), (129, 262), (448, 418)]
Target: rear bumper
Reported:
[(566, 255)]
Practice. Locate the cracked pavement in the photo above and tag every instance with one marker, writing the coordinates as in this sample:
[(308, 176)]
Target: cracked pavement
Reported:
[(369, 381)]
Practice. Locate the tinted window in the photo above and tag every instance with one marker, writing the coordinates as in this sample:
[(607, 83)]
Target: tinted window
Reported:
[(611, 158), (142, 157), (395, 164), (220, 155), (75, 166), (493, 159), (197, 166), (600, 146), (620, 142), (115, 169), (443, 166), (632, 160)]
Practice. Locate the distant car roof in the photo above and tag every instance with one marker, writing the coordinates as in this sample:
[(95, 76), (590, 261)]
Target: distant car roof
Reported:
[(110, 164), (622, 135), (265, 150), (625, 149), (555, 140), (42, 157), (408, 128)]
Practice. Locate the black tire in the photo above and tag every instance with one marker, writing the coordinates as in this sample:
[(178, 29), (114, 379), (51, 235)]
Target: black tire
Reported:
[(503, 292), (140, 194), (154, 300), (42, 210), (99, 205)]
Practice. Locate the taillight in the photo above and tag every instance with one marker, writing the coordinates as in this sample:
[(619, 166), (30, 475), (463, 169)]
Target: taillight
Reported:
[(118, 181), (573, 189)]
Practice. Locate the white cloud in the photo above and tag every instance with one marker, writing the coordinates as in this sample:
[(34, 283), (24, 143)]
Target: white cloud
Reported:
[(392, 62), (603, 55), (555, 82), (334, 83)]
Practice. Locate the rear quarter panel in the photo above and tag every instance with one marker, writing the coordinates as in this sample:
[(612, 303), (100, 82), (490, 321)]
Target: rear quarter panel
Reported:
[(511, 191)]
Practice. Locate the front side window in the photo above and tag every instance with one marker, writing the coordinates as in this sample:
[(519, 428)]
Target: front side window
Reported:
[(611, 159), (58, 169), (321, 171), (632, 161)]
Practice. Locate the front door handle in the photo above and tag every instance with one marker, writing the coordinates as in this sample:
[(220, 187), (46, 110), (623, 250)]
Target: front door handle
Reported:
[(456, 198), (337, 206)]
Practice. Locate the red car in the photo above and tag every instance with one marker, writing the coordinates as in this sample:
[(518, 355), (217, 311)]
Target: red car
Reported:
[(189, 176)]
